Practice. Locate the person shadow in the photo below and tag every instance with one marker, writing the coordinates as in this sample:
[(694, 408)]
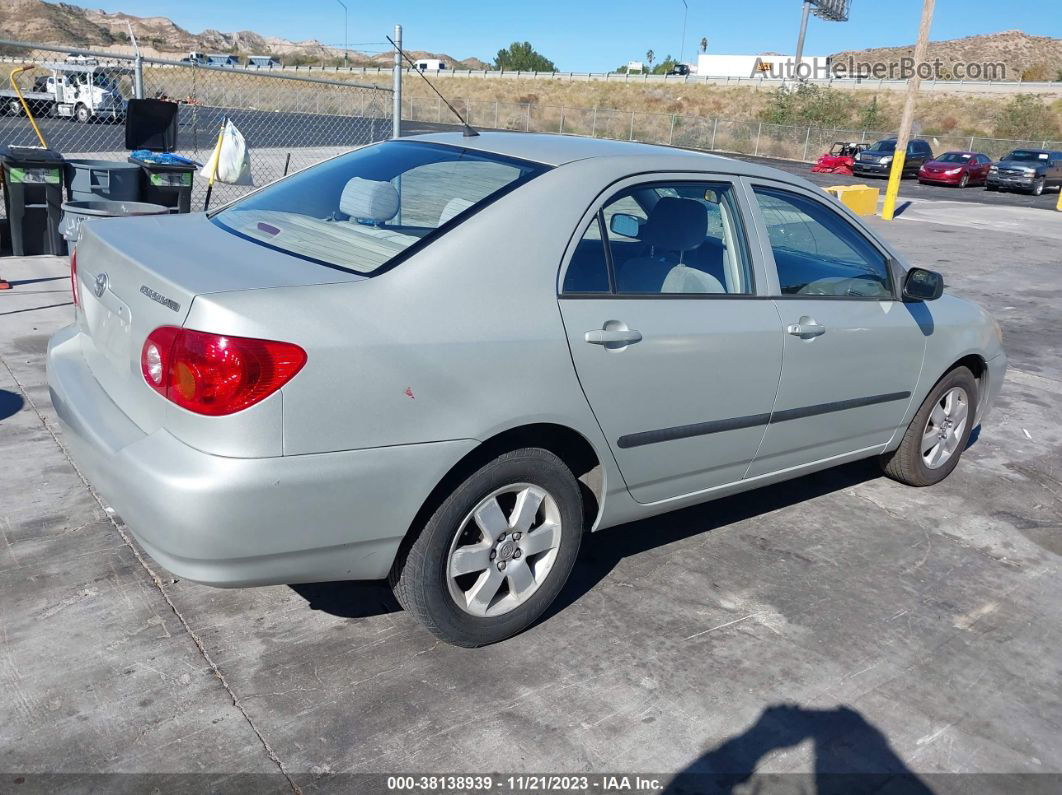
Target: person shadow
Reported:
[(851, 756)]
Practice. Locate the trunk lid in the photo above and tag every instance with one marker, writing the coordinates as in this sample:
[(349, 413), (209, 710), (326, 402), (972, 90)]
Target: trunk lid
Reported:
[(136, 274)]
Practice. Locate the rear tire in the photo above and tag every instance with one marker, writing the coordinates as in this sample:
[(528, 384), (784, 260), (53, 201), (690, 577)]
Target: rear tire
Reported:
[(938, 433), (472, 581), (82, 114), (14, 107)]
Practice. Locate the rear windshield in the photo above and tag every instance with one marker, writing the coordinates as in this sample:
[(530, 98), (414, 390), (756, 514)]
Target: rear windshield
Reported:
[(363, 211)]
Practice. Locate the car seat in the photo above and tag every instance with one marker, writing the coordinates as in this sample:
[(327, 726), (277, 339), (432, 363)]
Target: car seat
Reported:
[(674, 227)]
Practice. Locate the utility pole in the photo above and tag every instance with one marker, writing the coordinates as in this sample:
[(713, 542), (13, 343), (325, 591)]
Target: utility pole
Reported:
[(345, 50), (396, 112), (800, 38), (682, 46), (888, 210)]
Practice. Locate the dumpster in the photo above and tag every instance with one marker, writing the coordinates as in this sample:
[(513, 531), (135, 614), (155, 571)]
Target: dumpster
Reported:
[(75, 213), (151, 132), (113, 180), (33, 197)]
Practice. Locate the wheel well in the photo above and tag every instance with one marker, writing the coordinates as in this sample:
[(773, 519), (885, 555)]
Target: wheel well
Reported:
[(976, 365), (568, 445)]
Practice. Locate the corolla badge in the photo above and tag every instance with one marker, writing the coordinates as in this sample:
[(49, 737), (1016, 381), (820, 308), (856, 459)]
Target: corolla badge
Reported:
[(100, 285)]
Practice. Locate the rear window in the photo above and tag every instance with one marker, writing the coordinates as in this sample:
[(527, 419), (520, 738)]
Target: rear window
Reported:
[(365, 211)]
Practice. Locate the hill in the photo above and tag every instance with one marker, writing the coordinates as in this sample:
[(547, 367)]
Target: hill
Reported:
[(74, 26), (1024, 56)]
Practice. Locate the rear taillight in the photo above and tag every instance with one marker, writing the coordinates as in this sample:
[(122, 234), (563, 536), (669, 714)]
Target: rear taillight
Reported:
[(73, 276), (214, 374)]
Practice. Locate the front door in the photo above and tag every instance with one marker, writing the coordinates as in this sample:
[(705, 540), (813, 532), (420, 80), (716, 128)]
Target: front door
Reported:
[(677, 348), (853, 353)]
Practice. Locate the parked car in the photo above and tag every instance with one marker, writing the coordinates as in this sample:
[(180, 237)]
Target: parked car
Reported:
[(1030, 170), (536, 336), (840, 158), (877, 160), (956, 168)]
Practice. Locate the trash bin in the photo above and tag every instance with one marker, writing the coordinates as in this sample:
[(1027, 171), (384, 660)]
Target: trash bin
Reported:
[(74, 213), (88, 180), (33, 197), (151, 134), (165, 180)]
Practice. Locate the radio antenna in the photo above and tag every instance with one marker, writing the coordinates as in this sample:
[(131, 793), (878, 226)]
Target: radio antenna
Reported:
[(469, 131)]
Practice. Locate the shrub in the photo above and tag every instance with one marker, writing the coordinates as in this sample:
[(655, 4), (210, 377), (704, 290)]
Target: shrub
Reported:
[(1026, 116)]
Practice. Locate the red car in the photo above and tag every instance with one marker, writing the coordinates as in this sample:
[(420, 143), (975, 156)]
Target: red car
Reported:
[(956, 168)]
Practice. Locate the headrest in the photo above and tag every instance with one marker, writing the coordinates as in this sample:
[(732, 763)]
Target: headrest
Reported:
[(453, 207), (369, 200), (676, 224)]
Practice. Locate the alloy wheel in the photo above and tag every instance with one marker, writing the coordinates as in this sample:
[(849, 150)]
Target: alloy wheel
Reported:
[(504, 550), (945, 428)]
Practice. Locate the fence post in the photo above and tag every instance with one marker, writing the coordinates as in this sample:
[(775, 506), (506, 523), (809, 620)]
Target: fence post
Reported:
[(759, 131), (593, 129), (562, 121), (671, 135), (527, 117), (396, 106), (715, 129), (438, 109), (971, 144), (138, 75), (631, 138), (807, 141), (495, 114)]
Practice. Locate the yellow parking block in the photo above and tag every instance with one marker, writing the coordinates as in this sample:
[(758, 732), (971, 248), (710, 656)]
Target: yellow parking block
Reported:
[(860, 199)]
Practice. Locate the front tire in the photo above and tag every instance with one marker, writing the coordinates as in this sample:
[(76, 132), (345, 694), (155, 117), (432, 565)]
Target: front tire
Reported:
[(82, 115), (1038, 187), (938, 433), (964, 181), (495, 554)]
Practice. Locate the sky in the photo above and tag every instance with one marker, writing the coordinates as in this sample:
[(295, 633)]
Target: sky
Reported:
[(598, 35)]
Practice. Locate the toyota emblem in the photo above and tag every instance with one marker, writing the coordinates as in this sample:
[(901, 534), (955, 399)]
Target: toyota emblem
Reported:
[(101, 285)]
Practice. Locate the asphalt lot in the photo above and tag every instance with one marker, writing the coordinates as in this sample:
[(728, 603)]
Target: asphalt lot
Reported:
[(839, 623)]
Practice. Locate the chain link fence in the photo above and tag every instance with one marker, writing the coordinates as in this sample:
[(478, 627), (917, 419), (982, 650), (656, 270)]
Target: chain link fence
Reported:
[(289, 122), (802, 143)]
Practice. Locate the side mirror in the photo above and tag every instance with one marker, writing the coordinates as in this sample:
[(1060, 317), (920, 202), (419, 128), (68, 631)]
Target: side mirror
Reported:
[(625, 225), (922, 285)]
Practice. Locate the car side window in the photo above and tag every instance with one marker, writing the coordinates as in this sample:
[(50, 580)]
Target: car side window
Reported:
[(818, 252), (588, 269), (684, 238)]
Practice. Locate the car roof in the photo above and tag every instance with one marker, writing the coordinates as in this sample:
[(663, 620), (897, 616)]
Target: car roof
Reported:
[(558, 150)]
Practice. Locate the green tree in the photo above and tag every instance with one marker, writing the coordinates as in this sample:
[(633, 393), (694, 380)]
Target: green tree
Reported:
[(664, 66), (522, 57), (704, 44), (808, 104), (649, 56), (872, 116)]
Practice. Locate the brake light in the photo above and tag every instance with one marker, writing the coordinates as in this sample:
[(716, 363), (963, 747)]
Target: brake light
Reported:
[(213, 374), (73, 276)]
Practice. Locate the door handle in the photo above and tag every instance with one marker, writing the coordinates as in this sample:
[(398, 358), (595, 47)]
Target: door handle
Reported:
[(616, 337), (806, 328)]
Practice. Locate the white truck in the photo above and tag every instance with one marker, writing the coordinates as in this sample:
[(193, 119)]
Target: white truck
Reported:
[(78, 90)]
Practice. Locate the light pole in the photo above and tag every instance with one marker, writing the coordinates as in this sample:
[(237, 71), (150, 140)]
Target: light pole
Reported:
[(682, 46), (345, 51)]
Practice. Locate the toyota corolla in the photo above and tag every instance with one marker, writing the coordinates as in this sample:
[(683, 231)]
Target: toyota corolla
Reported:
[(441, 360)]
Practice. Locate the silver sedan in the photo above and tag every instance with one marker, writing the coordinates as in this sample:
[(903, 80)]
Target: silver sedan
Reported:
[(441, 360)]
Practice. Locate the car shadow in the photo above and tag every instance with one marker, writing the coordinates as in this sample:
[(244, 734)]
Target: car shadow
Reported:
[(601, 552), (11, 403), (851, 755)]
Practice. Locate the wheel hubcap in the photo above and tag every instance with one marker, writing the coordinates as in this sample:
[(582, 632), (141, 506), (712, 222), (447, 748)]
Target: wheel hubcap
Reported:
[(504, 550), (945, 428)]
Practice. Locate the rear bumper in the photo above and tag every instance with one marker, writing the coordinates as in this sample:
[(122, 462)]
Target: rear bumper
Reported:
[(243, 521)]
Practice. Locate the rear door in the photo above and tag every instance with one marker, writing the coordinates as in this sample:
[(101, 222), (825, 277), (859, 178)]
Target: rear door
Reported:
[(676, 345), (853, 352)]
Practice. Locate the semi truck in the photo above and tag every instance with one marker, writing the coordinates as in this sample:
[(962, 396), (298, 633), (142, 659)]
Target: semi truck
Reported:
[(82, 91)]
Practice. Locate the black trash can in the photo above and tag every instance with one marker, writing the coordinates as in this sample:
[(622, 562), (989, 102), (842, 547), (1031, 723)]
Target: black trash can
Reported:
[(33, 199), (151, 132), (168, 184)]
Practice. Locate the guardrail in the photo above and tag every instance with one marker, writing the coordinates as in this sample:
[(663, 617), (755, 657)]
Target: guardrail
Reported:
[(853, 83)]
